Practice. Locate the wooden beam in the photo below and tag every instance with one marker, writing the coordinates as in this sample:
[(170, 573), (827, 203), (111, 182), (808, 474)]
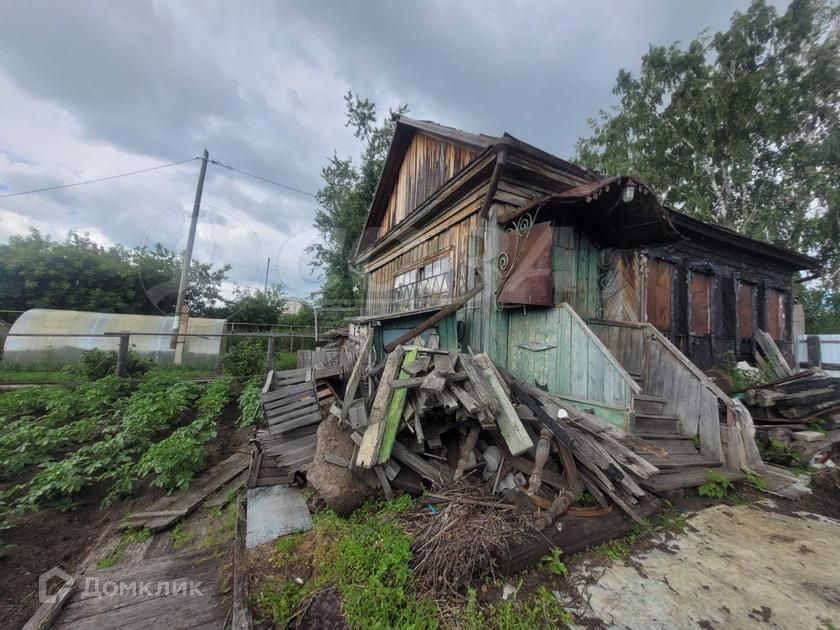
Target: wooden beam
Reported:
[(372, 438), (510, 426), (395, 413), (355, 377), (434, 319)]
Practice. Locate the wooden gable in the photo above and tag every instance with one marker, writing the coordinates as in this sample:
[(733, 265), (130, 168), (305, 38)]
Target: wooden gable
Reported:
[(428, 163)]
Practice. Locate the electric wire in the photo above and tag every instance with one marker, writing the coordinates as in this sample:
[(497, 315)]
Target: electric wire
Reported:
[(100, 179), (265, 179)]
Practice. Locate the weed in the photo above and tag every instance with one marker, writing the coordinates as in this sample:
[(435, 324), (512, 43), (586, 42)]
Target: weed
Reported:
[(543, 610), (585, 499), (756, 482), (554, 564), (826, 623), (181, 538), (129, 537), (225, 530), (717, 487), (249, 402)]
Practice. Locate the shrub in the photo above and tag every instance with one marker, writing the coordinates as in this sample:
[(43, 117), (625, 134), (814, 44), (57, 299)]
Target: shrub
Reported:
[(246, 358), (96, 364)]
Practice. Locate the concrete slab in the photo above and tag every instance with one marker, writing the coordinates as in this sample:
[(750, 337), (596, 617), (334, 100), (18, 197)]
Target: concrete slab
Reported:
[(275, 511), (733, 567)]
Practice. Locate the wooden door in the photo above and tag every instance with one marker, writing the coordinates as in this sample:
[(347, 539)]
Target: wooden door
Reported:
[(746, 309), (700, 304)]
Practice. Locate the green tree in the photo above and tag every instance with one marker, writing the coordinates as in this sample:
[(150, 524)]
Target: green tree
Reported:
[(256, 307), (739, 128), (345, 198), (79, 274)]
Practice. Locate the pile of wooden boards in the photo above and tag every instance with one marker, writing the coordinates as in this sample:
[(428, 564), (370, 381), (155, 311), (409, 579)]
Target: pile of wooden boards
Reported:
[(432, 417), (794, 401)]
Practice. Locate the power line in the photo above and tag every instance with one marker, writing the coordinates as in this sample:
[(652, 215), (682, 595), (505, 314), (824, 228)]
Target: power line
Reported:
[(265, 179), (94, 181)]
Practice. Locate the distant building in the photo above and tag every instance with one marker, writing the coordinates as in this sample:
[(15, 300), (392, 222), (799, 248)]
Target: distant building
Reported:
[(293, 306)]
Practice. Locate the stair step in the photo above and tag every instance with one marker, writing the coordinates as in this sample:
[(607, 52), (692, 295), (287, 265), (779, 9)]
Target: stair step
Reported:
[(656, 424), (671, 443), (682, 460), (686, 478), (645, 403)]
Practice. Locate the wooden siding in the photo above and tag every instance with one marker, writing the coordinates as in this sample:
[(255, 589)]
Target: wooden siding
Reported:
[(428, 163), (667, 373), (553, 349), (452, 241), (575, 266), (622, 287)]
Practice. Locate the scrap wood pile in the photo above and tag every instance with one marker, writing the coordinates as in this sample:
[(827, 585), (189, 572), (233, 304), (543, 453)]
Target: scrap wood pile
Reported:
[(795, 400), (495, 457), (801, 411)]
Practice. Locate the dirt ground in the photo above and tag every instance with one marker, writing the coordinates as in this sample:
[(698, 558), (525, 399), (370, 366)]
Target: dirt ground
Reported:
[(50, 538)]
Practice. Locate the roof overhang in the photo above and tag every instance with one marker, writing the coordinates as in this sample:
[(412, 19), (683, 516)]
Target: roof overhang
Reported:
[(607, 219)]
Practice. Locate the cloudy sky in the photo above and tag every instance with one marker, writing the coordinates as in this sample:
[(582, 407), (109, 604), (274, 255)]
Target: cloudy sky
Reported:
[(90, 89)]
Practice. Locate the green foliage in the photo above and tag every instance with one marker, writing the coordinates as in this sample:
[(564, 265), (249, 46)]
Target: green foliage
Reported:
[(129, 537), (366, 558), (717, 487), (757, 482), (746, 379), (177, 458), (541, 610), (77, 273), (245, 358), (95, 364), (104, 431), (344, 200), (180, 537), (554, 563), (255, 307), (739, 128), (822, 308), (249, 402), (777, 452)]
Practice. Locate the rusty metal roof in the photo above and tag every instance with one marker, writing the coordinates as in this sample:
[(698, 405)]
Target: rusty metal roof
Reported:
[(607, 219)]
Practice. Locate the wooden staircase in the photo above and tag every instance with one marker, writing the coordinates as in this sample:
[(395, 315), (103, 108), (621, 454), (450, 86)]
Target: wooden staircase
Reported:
[(685, 466)]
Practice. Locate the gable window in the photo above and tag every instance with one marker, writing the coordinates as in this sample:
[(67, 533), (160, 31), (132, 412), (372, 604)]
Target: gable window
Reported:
[(423, 286), (701, 320), (659, 293)]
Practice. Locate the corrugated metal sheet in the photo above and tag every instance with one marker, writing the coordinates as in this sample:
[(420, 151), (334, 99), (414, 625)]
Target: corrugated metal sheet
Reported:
[(198, 350)]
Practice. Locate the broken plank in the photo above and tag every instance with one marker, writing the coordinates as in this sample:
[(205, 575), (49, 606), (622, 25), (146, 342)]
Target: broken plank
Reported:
[(355, 376), (484, 395), (186, 501), (383, 481), (372, 438), (467, 402), (395, 412), (433, 384), (443, 364), (418, 366), (417, 381), (510, 426), (417, 464)]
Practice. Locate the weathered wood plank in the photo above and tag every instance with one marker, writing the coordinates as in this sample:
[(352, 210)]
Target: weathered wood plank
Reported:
[(395, 412), (510, 426), (355, 377), (372, 438)]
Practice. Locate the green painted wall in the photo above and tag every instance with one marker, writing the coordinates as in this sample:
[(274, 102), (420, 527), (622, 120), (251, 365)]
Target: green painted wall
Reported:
[(554, 350), (575, 263), (390, 329)]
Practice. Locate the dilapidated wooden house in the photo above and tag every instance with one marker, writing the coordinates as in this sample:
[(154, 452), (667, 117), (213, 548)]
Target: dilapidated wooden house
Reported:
[(582, 285)]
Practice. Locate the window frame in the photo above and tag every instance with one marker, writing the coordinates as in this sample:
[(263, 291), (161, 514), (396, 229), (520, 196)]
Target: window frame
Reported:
[(420, 297)]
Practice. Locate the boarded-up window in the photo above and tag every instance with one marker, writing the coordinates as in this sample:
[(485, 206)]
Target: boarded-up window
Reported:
[(701, 321), (746, 309), (659, 280), (776, 320)]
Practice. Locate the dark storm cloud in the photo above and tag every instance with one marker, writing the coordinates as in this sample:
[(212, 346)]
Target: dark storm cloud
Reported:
[(90, 88)]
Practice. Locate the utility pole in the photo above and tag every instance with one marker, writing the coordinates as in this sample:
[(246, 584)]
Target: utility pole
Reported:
[(185, 269), (267, 264)]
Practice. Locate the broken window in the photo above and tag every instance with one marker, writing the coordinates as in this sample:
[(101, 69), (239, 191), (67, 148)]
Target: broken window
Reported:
[(660, 274), (700, 305), (746, 309), (422, 286), (776, 320)]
